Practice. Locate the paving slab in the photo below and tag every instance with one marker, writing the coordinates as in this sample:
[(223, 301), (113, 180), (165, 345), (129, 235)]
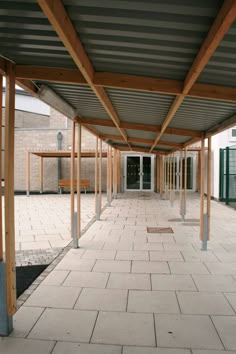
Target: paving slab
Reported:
[(86, 279), (124, 328), (24, 320), (64, 325), (148, 350), (53, 296), (215, 283), (172, 282), (102, 299), (112, 266), (129, 281), (25, 346), (204, 303), (226, 328), (81, 348), (153, 302), (186, 331)]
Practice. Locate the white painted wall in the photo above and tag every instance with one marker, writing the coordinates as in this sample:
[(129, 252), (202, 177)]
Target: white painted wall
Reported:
[(29, 104), (219, 141)]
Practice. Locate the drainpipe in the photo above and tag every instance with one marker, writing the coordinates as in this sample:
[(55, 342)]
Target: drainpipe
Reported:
[(59, 147)]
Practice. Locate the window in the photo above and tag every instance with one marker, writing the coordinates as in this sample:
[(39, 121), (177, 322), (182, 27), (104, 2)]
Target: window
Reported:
[(232, 134)]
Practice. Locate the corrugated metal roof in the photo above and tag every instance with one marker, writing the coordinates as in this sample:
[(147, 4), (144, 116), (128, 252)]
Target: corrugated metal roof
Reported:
[(198, 114), (107, 130), (27, 37), (80, 97), (221, 68), (174, 138), (139, 106), (157, 38), (140, 134)]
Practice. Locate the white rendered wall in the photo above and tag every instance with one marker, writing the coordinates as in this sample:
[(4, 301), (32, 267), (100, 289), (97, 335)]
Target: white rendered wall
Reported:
[(219, 141), (29, 104)]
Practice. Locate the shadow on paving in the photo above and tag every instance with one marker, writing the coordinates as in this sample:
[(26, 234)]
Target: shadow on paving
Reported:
[(26, 275)]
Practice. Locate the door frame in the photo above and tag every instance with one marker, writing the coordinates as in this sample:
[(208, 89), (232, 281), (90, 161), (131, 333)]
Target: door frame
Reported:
[(141, 169)]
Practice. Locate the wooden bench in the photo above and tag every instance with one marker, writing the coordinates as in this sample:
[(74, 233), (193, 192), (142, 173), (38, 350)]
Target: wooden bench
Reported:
[(65, 183)]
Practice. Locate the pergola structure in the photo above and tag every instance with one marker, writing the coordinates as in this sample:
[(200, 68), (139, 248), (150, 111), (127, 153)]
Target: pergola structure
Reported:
[(148, 76)]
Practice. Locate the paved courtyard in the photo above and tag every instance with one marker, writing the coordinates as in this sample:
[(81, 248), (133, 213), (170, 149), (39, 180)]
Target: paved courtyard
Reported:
[(43, 225), (132, 292)]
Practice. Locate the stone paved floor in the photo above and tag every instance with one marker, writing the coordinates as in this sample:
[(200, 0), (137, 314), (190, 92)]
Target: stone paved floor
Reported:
[(43, 225), (127, 291)]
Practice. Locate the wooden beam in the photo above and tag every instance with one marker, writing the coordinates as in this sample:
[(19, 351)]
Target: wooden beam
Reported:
[(138, 126), (226, 124), (72, 177), (141, 140), (43, 73), (57, 16), (122, 81), (28, 86), (173, 109), (9, 190), (133, 82), (3, 66), (1, 229), (220, 27)]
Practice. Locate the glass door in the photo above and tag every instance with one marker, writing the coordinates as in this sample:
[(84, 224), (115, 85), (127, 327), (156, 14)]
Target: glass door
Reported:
[(190, 172), (138, 173), (133, 165)]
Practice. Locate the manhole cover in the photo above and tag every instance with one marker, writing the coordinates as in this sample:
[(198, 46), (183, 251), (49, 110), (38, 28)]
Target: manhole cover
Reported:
[(185, 220), (160, 230), (191, 223)]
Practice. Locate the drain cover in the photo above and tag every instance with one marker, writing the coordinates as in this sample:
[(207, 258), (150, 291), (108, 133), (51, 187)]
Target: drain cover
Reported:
[(160, 230)]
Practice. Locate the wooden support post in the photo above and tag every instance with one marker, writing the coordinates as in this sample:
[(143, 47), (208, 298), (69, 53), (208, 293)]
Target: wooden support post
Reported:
[(9, 190), (41, 174), (199, 171), (160, 174), (72, 176), (185, 180), (100, 178), (78, 182), (118, 171), (96, 175), (181, 185), (115, 174), (1, 234), (202, 190), (27, 173), (165, 176), (169, 174), (174, 172), (209, 187), (112, 172), (108, 175)]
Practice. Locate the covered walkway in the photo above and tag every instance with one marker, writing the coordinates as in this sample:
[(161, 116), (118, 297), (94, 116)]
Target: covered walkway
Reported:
[(129, 291)]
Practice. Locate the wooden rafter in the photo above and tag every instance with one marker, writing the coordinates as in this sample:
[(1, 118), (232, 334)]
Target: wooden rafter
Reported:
[(221, 25), (123, 81), (56, 14)]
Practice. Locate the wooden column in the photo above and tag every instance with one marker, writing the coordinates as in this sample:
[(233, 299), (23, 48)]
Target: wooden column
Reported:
[(78, 181), (9, 189), (209, 187), (160, 174), (72, 177), (180, 182), (174, 177), (185, 180), (27, 177), (41, 174), (100, 177), (199, 171), (1, 234), (108, 175), (118, 171), (112, 166), (202, 190), (96, 175), (115, 174)]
